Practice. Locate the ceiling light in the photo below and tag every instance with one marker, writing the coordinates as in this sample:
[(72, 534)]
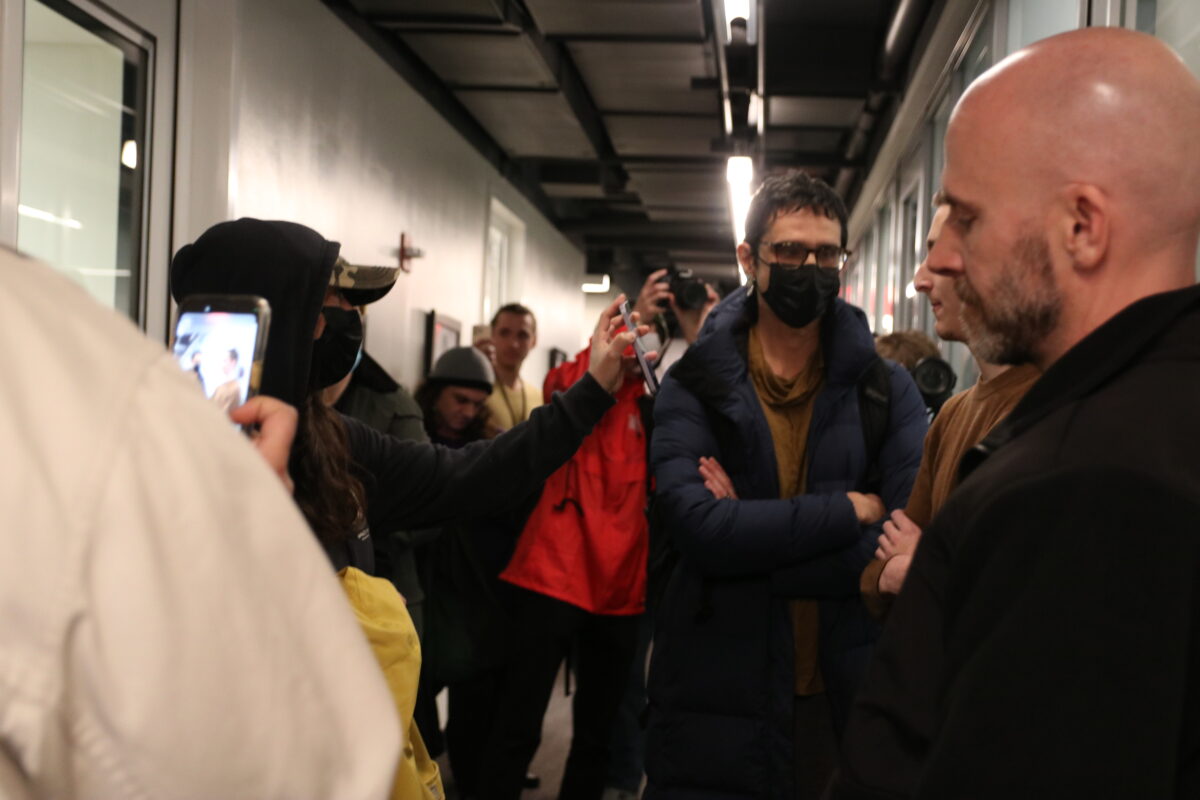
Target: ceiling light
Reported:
[(739, 172), (599, 287), (910, 291), (46, 216), (129, 154)]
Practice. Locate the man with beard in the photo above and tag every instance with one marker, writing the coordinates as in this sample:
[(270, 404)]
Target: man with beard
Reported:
[(764, 488), (1047, 640), (962, 422)]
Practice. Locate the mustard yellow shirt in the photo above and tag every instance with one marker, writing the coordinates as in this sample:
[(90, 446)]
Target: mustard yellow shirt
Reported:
[(510, 406), (788, 407)]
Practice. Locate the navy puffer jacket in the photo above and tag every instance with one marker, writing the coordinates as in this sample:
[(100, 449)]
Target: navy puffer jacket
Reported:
[(722, 672)]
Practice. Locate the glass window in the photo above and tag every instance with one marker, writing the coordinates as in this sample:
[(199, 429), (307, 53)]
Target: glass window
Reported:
[(979, 56), (1030, 20), (1176, 22), (888, 274), (910, 244), (495, 270), (82, 163), (941, 120), (502, 259), (870, 265)]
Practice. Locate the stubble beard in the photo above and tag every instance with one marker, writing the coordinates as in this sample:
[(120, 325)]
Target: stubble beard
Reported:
[(1011, 327)]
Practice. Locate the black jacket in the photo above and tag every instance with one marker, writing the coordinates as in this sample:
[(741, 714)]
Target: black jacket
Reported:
[(1046, 641), (408, 484), (722, 681)]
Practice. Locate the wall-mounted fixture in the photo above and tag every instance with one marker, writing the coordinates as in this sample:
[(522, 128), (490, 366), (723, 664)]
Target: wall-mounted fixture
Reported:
[(408, 252)]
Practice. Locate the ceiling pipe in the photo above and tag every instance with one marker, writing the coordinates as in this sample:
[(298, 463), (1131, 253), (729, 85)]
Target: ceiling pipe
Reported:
[(901, 31)]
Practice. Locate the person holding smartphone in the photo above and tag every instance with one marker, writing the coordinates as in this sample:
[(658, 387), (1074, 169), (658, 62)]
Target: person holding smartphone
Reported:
[(349, 478)]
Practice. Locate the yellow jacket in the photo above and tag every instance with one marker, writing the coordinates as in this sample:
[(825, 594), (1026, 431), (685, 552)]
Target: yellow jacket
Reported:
[(384, 618)]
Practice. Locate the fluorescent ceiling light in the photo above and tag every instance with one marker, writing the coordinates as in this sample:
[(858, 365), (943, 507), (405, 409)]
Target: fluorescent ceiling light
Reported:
[(601, 287), (739, 172), (46, 216), (129, 154)]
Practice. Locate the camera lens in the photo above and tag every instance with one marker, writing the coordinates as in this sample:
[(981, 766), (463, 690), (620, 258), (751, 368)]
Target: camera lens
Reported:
[(690, 292)]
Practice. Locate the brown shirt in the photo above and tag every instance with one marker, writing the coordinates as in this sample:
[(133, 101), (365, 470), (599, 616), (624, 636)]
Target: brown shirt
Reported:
[(963, 422), (788, 407)]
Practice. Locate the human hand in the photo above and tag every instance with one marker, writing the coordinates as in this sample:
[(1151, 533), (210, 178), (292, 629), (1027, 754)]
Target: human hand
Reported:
[(652, 294), (868, 508), (274, 429), (891, 579), (900, 536), (608, 362), (691, 321), (715, 479), (487, 347)]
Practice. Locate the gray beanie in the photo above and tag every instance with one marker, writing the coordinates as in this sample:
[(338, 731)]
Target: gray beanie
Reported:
[(464, 366)]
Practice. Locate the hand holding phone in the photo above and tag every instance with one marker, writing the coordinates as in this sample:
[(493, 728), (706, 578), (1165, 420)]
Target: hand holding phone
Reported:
[(221, 340), (639, 350)]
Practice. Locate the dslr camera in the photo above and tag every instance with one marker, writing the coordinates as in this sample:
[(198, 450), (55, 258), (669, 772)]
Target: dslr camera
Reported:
[(689, 291)]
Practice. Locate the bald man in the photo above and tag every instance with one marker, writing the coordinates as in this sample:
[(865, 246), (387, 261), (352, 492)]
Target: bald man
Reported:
[(962, 422), (1046, 642)]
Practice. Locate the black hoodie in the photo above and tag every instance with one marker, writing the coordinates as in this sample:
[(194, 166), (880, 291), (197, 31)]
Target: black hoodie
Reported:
[(286, 263), (408, 484)]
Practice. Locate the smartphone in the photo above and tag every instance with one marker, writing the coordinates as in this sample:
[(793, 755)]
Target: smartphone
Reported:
[(639, 350), (220, 340)]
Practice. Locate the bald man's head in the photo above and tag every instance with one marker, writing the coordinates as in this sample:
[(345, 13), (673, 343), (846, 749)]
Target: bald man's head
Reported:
[(1079, 149)]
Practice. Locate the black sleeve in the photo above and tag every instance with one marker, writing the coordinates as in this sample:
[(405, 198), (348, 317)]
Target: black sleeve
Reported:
[(415, 484), (1048, 651)]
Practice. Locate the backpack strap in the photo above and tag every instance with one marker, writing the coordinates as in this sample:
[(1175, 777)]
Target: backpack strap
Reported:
[(874, 408)]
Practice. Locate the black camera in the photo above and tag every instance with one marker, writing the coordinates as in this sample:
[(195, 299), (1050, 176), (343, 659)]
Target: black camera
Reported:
[(935, 381), (690, 292)]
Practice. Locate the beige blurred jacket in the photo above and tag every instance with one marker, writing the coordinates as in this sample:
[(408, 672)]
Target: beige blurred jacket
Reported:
[(169, 628)]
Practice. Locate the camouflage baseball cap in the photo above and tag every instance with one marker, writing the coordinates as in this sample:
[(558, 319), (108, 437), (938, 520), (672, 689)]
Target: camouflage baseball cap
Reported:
[(361, 284)]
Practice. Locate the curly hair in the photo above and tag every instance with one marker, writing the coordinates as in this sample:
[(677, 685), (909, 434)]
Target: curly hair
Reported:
[(328, 493), (906, 347), (791, 191)]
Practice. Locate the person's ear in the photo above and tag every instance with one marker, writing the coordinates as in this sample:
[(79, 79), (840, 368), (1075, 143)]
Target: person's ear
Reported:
[(745, 257), (1086, 225)]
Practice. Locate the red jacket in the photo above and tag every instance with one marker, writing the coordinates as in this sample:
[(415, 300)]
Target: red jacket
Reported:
[(587, 539)]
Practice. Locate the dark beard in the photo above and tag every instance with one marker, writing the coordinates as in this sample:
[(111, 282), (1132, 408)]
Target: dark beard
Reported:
[(1024, 309)]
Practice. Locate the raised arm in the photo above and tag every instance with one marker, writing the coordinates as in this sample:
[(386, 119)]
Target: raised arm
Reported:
[(414, 485)]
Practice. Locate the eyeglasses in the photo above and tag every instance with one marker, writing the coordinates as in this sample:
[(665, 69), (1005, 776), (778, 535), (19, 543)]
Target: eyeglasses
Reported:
[(794, 254)]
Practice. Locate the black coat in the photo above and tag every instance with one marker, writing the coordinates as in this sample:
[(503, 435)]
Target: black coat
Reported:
[(722, 671), (1047, 640), (408, 484)]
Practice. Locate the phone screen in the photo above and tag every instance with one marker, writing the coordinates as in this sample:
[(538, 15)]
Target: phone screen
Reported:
[(639, 350), (218, 349)]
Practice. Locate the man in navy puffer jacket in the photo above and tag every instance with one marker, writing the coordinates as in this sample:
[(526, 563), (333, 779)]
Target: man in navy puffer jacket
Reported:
[(762, 478)]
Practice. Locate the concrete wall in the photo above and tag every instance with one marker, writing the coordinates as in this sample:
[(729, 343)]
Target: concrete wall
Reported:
[(290, 116)]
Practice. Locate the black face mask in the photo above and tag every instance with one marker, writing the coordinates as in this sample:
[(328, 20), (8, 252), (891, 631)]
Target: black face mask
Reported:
[(799, 295), (338, 350)]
